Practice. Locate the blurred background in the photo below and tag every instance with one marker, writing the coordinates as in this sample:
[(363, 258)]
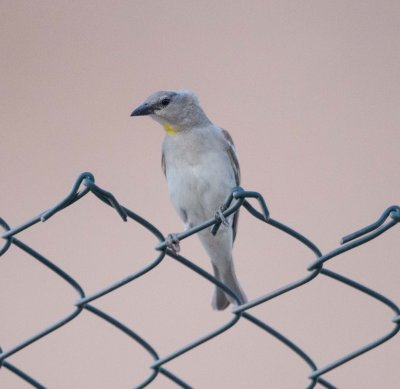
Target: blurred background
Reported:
[(310, 92)]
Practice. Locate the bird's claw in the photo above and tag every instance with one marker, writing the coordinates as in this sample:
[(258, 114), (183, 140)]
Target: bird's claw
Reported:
[(219, 216), (172, 242)]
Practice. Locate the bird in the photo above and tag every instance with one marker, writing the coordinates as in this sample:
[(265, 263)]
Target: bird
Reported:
[(201, 167)]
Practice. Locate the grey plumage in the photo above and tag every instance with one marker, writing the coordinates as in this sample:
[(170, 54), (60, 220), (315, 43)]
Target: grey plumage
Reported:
[(201, 167)]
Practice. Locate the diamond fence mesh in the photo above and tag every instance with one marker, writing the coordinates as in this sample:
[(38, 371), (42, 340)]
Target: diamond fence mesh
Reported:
[(239, 198)]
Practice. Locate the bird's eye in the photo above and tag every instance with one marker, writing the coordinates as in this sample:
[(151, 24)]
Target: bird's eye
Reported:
[(165, 102)]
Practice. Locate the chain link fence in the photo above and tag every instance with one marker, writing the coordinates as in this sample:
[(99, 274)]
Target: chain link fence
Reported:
[(239, 198)]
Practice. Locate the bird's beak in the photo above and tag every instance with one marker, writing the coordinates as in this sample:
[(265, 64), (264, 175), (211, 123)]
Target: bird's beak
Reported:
[(144, 109)]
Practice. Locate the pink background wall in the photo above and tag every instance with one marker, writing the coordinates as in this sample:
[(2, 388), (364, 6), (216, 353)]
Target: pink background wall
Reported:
[(310, 93)]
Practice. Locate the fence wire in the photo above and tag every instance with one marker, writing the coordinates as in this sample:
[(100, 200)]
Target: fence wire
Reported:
[(239, 198)]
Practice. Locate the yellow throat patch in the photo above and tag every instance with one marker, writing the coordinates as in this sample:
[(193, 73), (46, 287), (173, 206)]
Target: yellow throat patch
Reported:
[(169, 129)]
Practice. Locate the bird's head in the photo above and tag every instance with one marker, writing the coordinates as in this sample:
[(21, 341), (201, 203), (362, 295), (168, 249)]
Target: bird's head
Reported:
[(175, 110)]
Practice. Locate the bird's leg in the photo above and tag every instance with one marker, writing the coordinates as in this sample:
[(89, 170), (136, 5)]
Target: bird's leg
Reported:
[(219, 216), (172, 242)]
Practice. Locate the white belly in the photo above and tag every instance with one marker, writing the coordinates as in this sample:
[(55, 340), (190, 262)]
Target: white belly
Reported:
[(198, 190)]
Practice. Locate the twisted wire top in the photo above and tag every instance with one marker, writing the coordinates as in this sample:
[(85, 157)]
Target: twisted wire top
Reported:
[(237, 199)]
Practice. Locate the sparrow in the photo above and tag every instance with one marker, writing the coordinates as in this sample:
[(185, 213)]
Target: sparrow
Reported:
[(201, 167)]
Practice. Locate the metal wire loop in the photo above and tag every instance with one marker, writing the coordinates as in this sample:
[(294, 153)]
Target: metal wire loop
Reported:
[(170, 246)]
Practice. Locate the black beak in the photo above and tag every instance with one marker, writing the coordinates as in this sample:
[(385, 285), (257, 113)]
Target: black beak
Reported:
[(144, 109)]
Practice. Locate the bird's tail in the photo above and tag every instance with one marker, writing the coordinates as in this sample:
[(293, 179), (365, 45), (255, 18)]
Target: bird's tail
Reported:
[(220, 299), (219, 249)]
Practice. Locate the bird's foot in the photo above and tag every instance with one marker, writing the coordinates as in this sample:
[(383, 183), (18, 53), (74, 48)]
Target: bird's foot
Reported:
[(219, 216), (172, 242)]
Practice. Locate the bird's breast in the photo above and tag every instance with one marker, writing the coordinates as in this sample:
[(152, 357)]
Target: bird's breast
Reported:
[(199, 183)]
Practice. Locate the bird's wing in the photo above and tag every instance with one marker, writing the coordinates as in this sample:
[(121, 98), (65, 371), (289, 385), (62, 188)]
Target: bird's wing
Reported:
[(232, 155), (163, 166), (236, 169)]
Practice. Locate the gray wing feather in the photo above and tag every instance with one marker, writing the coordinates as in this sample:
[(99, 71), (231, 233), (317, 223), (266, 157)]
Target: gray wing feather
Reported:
[(236, 168), (163, 166)]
